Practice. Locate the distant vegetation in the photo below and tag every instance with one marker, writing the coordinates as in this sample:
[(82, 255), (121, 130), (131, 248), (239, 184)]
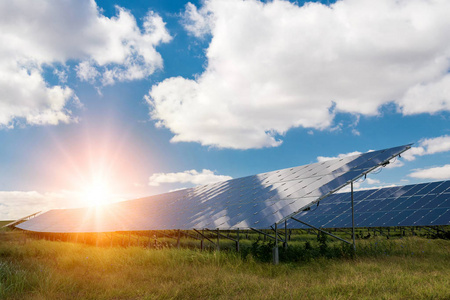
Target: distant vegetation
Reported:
[(408, 267), (2, 223)]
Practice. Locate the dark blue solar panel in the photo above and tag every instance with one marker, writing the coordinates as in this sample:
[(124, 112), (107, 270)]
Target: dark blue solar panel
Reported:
[(445, 187), (413, 205), (426, 219), (394, 203), (418, 202), (436, 201), (413, 190), (361, 205), (380, 205), (445, 203), (361, 195), (373, 218), (432, 186), (437, 213), (344, 222), (426, 189), (445, 216), (360, 218), (335, 198), (384, 193), (376, 194)]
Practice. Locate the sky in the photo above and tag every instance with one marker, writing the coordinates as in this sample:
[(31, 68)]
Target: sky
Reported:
[(113, 100)]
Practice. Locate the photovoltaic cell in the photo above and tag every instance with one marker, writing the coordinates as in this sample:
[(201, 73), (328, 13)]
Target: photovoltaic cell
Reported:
[(257, 201), (425, 204)]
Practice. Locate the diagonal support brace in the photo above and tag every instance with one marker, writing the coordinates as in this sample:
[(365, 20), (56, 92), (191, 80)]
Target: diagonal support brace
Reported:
[(279, 236), (336, 237), (259, 231), (205, 237), (222, 235)]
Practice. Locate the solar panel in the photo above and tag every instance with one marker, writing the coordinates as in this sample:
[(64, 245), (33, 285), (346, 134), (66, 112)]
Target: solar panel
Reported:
[(257, 201), (425, 204), (13, 223)]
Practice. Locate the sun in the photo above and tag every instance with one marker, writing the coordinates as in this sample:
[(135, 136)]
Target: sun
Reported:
[(96, 194)]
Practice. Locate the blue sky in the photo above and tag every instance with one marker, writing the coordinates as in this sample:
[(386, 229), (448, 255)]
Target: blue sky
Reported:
[(124, 99)]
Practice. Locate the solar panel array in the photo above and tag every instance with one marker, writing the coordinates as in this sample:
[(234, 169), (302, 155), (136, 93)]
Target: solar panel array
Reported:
[(257, 201), (425, 204), (11, 224)]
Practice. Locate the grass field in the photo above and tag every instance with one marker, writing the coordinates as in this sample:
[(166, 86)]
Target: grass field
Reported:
[(399, 268)]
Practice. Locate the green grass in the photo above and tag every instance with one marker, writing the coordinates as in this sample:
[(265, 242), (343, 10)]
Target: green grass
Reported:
[(2, 223), (406, 268)]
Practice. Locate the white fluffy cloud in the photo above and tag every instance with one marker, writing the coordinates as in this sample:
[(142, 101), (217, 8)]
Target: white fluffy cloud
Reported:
[(47, 33), (274, 66), (24, 94), (189, 176), (428, 146), (342, 155), (440, 173), (367, 184), (371, 181), (195, 22), (14, 205)]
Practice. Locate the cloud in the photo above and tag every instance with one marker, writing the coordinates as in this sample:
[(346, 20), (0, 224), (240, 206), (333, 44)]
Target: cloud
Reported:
[(394, 163), (24, 94), (376, 187), (430, 97), (86, 72), (14, 205), (275, 66), (371, 181), (195, 22), (428, 146), (325, 158), (47, 34), (189, 176), (441, 173), (367, 184)]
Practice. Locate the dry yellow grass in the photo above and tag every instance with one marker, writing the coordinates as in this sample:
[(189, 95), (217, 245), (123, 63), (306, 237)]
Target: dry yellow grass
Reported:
[(415, 268)]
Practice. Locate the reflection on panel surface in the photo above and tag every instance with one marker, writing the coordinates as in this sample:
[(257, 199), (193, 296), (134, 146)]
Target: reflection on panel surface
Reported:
[(425, 204), (257, 201)]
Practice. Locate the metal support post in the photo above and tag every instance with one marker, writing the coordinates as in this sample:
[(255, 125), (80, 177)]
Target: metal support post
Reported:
[(203, 236), (279, 235), (178, 239), (202, 243), (218, 240), (237, 241), (276, 258), (353, 218), (149, 243), (285, 244)]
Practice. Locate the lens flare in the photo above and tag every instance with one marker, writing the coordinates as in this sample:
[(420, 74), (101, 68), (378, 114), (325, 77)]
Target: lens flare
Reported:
[(98, 193)]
